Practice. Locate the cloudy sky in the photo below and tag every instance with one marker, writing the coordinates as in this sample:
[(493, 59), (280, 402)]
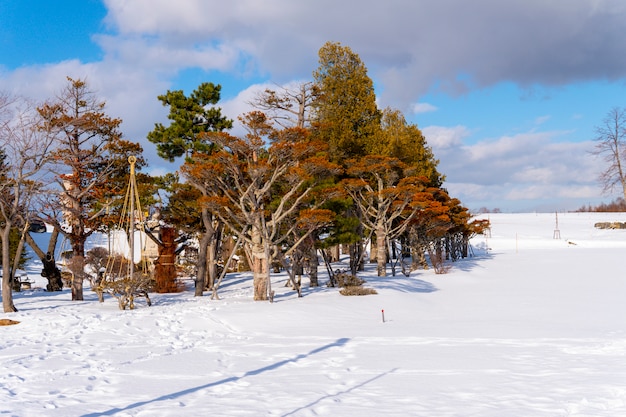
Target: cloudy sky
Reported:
[(508, 93)]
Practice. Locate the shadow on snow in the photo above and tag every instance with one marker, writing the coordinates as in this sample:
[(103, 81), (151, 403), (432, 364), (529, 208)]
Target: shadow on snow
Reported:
[(174, 395)]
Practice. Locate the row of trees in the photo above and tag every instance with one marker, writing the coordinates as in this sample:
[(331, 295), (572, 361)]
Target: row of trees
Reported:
[(318, 160), (320, 165)]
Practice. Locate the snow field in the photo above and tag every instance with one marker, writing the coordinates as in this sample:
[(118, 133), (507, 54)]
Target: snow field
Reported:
[(529, 326)]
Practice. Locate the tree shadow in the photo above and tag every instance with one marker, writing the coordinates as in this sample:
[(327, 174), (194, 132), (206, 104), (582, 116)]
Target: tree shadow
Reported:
[(234, 280), (401, 283), (471, 262), (338, 343), (346, 391), (27, 300)]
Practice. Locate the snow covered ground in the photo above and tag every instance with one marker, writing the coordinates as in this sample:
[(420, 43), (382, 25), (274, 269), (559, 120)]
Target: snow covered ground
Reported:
[(529, 326)]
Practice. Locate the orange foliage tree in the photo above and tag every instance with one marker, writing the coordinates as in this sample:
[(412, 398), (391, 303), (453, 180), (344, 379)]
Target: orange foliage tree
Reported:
[(442, 228), (385, 196), (89, 162), (260, 186)]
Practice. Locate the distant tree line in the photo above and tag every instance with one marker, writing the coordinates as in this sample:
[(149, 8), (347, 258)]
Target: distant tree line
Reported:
[(615, 206), (485, 210)]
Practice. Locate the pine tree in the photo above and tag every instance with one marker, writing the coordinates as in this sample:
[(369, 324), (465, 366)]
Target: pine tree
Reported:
[(191, 119), (190, 116)]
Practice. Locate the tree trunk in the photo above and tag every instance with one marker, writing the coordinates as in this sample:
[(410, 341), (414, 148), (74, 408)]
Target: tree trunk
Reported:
[(260, 273), (360, 251), (77, 289), (465, 247), (260, 266), (439, 250), (373, 251), (354, 263), (7, 295), (50, 270), (206, 244), (211, 265), (418, 256), (78, 250), (7, 273), (312, 266), (201, 269), (381, 252), (165, 269), (214, 248), (51, 273), (335, 253)]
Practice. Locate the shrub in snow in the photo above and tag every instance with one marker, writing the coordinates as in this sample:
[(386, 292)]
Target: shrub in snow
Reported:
[(118, 282), (357, 291), (352, 285)]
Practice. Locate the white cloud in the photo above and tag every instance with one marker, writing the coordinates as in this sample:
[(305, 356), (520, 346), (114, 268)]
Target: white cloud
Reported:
[(410, 49), (534, 167), (423, 108), (130, 93), (534, 174), (441, 138), (44, 81), (168, 58), (577, 191)]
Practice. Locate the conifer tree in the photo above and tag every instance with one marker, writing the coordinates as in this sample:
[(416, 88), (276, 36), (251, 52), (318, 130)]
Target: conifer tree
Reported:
[(346, 116), (192, 117), (189, 117), (404, 141)]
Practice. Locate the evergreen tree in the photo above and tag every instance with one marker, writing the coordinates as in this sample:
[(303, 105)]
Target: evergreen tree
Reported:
[(404, 141), (191, 119), (346, 116), (190, 116)]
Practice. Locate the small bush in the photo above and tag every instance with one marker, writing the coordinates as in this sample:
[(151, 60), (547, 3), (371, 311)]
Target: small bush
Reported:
[(347, 280), (117, 281), (348, 291), (352, 285)]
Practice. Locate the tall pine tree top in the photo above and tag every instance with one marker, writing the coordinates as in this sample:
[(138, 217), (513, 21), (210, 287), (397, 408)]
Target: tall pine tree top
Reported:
[(190, 116)]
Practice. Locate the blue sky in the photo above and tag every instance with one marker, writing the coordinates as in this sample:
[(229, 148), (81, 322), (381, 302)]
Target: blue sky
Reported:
[(507, 93), (40, 32)]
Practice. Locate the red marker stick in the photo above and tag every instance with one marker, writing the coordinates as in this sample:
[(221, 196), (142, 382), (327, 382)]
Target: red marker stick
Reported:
[(383, 311)]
